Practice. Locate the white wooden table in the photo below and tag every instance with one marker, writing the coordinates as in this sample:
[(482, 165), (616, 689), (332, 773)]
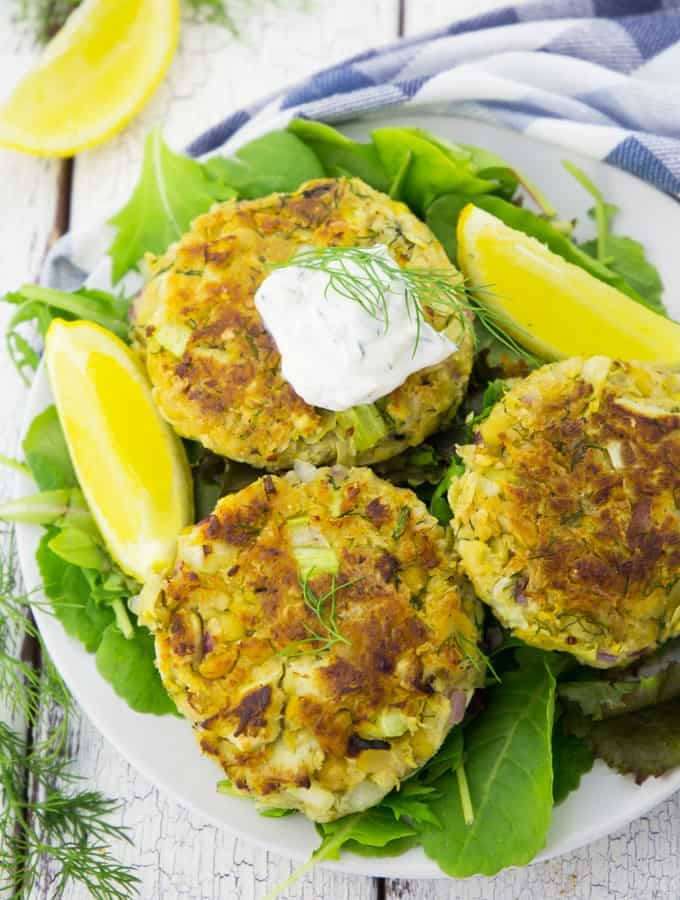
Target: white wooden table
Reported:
[(175, 853)]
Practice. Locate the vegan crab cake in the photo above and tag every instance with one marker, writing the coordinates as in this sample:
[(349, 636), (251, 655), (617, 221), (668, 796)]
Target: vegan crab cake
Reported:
[(567, 519), (320, 637), (215, 369)]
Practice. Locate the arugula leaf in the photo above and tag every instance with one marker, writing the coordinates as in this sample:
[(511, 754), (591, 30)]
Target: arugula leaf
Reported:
[(341, 156), (413, 802), (434, 168), (627, 257), (643, 743), (129, 667), (571, 760), (47, 454), (68, 589), (509, 774), (439, 504), (622, 255), (172, 190), (39, 306), (278, 161)]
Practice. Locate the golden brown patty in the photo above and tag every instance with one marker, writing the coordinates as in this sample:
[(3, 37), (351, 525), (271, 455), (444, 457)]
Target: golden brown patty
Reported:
[(319, 711), (568, 517), (215, 369)]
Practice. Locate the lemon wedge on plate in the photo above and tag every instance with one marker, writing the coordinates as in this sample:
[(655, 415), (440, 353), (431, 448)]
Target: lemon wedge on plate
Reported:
[(131, 466), (552, 307), (94, 75)]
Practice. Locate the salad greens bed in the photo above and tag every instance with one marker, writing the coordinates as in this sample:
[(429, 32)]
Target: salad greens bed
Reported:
[(485, 800)]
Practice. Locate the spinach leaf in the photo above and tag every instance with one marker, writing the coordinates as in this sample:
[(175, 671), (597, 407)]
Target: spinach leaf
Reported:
[(441, 216), (47, 454), (278, 161), (341, 156), (413, 802), (433, 170), (172, 190), (643, 743), (509, 774), (129, 667), (571, 760), (446, 760)]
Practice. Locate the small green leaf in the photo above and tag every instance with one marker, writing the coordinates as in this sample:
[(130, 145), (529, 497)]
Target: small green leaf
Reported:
[(68, 589), (78, 548), (278, 161), (571, 760), (47, 454), (439, 505), (341, 156), (129, 667)]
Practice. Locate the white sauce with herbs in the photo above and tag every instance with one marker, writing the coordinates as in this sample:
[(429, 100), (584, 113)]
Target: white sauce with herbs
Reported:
[(335, 353)]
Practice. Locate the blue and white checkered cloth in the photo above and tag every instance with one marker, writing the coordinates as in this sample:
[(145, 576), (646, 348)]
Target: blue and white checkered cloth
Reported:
[(601, 77)]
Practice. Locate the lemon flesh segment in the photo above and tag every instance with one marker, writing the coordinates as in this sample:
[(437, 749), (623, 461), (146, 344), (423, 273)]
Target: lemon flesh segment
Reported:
[(93, 76), (552, 307), (131, 466)]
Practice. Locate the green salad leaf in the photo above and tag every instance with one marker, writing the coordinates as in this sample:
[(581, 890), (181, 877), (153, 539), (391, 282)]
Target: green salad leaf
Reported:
[(642, 743), (508, 753), (341, 156), (434, 168), (68, 589), (278, 161), (129, 667), (172, 190), (622, 255), (647, 682), (46, 452), (571, 760), (40, 305)]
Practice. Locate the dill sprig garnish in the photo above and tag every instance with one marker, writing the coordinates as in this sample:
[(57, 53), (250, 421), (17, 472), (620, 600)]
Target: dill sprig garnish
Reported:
[(471, 651), (362, 276), (323, 606), (43, 815)]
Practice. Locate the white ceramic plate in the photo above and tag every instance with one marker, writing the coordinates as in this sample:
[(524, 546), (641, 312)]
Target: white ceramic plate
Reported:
[(163, 749)]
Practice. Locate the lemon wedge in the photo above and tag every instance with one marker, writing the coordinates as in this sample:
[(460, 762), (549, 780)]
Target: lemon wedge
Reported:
[(552, 307), (131, 466), (92, 78)]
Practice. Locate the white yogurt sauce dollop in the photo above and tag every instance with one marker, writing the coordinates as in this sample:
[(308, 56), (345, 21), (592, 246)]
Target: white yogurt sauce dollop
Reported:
[(335, 353)]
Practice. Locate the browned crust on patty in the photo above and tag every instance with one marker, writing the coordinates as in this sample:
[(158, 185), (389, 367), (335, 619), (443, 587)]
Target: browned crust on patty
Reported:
[(250, 663), (586, 521)]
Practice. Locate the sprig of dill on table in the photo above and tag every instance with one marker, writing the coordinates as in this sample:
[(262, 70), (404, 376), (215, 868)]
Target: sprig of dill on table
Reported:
[(362, 276), (46, 17), (43, 814)]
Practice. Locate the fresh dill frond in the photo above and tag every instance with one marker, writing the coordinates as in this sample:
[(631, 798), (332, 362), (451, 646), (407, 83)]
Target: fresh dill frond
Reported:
[(43, 814), (427, 292), (323, 606), (471, 651)]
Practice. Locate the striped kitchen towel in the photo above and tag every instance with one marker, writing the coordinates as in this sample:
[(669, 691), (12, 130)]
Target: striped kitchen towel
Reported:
[(601, 77)]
